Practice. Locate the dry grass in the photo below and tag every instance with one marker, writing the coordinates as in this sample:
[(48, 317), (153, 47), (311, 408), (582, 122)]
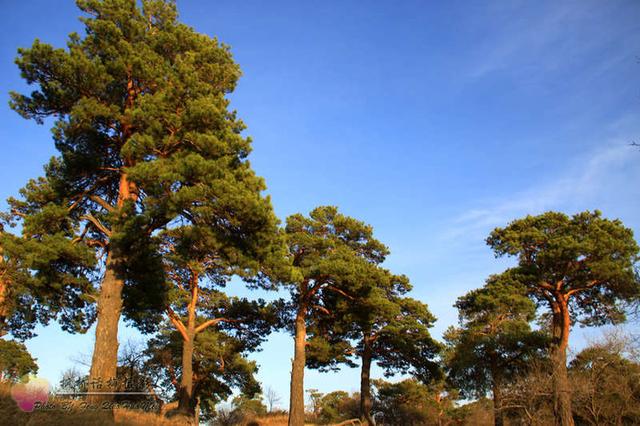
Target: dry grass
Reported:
[(141, 418), (74, 415), (279, 419), (10, 414), (269, 420)]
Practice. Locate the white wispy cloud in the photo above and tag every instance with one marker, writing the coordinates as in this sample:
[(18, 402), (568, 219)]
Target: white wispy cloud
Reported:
[(547, 37), (606, 175), (604, 178)]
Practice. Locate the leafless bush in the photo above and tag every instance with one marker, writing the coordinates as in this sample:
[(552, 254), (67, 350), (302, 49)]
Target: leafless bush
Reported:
[(528, 400), (605, 378)]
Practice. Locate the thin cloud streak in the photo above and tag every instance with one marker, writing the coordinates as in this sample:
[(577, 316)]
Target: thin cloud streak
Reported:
[(586, 180), (546, 38)]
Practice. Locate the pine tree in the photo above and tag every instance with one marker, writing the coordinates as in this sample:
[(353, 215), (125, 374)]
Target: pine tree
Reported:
[(145, 139), (328, 252), (200, 261), (15, 361), (379, 325), (494, 342), (220, 367), (581, 268)]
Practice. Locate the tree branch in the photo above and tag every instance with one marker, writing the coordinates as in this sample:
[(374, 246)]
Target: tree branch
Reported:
[(175, 319), (18, 213), (337, 290), (97, 224), (102, 202), (546, 285), (591, 284), (214, 321), (82, 234), (322, 308)]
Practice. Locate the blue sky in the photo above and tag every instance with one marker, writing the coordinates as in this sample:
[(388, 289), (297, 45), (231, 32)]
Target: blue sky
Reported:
[(433, 121)]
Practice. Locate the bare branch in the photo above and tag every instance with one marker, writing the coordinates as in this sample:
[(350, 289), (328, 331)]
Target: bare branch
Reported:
[(101, 202), (175, 319), (337, 290), (322, 309), (97, 224), (214, 321)]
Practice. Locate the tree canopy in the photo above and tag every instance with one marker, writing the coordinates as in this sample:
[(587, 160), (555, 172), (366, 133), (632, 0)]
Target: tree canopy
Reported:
[(605, 382), (146, 139), (581, 267), (585, 258), (220, 366), (494, 343), (329, 253), (379, 325), (15, 361)]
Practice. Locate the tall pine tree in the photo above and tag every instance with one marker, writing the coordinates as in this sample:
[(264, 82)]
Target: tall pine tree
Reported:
[(495, 342), (582, 268), (329, 252), (145, 137), (200, 261), (380, 325)]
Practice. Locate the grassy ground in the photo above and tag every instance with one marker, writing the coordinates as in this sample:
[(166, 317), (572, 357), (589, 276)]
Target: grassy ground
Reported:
[(279, 420), (64, 412), (74, 415)]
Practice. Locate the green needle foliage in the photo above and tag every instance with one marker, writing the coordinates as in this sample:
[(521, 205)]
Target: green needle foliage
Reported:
[(379, 325), (335, 407), (15, 361), (410, 402), (199, 257), (494, 343), (219, 367), (581, 268), (43, 275), (329, 253), (146, 140)]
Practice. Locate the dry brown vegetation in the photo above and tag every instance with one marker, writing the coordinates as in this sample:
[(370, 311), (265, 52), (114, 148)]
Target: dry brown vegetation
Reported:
[(74, 415), (282, 420), (276, 420)]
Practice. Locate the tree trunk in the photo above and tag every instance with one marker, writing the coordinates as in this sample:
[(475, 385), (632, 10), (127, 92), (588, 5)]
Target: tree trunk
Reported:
[(438, 400), (186, 400), (104, 364), (197, 417), (498, 416), (296, 401), (365, 383), (561, 389), (4, 286)]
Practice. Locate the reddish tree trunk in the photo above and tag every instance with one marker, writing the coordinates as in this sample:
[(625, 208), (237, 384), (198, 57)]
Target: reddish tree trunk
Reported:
[(496, 390), (105, 351), (187, 401), (365, 382), (104, 362), (296, 401), (4, 283), (561, 389)]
